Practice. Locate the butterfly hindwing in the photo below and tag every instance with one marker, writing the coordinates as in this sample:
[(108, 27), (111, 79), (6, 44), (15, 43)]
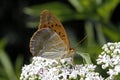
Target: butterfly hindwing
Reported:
[(47, 43)]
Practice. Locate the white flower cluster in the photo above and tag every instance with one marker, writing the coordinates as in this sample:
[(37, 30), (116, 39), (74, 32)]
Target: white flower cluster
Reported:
[(49, 69), (110, 59)]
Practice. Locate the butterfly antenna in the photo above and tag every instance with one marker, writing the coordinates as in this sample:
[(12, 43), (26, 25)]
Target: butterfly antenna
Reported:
[(81, 41)]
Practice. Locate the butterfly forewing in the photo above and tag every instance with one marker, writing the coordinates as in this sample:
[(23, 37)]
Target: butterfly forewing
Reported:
[(48, 20)]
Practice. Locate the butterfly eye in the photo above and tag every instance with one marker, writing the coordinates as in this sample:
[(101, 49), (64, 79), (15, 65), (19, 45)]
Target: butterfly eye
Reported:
[(72, 50)]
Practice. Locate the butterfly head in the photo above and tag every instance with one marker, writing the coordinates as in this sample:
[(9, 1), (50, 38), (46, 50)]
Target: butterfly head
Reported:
[(72, 51)]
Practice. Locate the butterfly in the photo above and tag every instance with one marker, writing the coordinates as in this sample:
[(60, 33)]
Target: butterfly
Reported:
[(50, 40)]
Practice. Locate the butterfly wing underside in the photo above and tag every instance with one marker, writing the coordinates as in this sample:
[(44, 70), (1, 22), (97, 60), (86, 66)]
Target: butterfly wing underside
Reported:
[(46, 43), (48, 20)]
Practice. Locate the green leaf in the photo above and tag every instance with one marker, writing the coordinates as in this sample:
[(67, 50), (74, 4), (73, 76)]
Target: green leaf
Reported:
[(76, 5), (57, 8), (18, 65), (99, 33), (85, 57), (90, 33), (106, 9), (3, 43), (112, 33), (6, 63)]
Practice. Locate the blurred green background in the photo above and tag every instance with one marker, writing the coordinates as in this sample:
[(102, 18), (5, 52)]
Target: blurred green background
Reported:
[(89, 25)]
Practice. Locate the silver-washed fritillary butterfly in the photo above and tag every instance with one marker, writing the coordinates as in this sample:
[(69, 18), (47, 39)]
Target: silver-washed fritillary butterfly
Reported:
[(50, 40)]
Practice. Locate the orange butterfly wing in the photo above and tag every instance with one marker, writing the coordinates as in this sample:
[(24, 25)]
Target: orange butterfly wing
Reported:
[(48, 20)]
